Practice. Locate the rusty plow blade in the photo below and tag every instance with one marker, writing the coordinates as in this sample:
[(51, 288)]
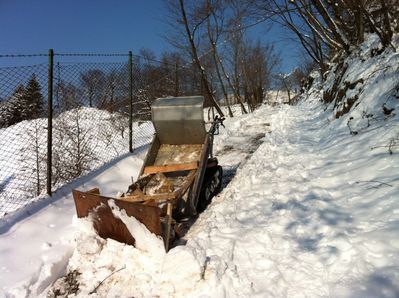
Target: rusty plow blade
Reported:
[(106, 224)]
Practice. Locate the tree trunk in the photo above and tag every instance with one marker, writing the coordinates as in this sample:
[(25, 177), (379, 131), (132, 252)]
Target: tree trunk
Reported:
[(215, 60), (204, 78)]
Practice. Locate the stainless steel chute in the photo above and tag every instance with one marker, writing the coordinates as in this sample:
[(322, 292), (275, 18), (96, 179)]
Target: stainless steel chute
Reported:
[(179, 120)]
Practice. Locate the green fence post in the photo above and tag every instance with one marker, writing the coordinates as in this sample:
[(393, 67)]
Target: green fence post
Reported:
[(130, 101), (50, 119)]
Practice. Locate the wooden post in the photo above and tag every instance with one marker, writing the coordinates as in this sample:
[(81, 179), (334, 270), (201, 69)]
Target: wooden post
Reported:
[(50, 119), (168, 225)]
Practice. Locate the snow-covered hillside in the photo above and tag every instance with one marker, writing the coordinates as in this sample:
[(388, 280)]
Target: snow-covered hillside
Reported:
[(102, 136), (309, 208), (362, 89)]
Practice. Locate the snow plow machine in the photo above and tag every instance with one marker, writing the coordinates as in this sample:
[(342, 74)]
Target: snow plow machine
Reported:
[(178, 179)]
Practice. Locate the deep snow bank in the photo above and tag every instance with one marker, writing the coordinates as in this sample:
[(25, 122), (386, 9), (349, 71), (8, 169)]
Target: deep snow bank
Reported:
[(36, 250)]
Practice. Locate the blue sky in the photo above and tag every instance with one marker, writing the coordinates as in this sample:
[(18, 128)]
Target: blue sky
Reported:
[(95, 26)]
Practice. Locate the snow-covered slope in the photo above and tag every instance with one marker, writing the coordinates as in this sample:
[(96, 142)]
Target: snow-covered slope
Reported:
[(102, 137), (361, 89)]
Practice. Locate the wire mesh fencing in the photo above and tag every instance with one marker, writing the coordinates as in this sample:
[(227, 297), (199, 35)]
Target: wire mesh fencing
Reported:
[(22, 133), (90, 121), (60, 118), (90, 111)]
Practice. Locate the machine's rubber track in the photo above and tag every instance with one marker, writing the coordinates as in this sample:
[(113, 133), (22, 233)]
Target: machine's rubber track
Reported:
[(211, 186)]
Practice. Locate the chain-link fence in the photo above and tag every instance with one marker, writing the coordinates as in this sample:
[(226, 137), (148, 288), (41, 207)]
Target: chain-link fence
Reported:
[(61, 118), (22, 134)]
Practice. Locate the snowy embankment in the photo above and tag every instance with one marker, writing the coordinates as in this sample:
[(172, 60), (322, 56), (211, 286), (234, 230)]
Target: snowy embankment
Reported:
[(35, 250), (83, 140)]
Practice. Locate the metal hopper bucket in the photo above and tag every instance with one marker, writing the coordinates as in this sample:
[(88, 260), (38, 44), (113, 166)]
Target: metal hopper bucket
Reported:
[(104, 221), (179, 155)]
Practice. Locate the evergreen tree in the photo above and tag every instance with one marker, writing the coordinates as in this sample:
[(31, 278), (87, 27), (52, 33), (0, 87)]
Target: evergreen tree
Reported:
[(24, 104), (3, 110), (33, 100), (11, 110)]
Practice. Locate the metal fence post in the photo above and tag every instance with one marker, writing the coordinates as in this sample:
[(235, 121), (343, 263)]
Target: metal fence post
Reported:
[(130, 101), (50, 119)]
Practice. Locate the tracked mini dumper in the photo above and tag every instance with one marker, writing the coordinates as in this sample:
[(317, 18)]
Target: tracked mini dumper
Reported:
[(178, 179)]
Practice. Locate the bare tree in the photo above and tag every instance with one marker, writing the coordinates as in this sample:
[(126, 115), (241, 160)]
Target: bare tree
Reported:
[(35, 155), (68, 96), (189, 22), (312, 44), (190, 36), (258, 64), (72, 149), (325, 28), (214, 29), (93, 82)]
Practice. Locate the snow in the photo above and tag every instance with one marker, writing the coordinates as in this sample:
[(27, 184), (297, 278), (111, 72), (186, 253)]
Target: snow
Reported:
[(102, 140), (379, 74), (308, 209), (303, 216), (37, 243), (146, 241)]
